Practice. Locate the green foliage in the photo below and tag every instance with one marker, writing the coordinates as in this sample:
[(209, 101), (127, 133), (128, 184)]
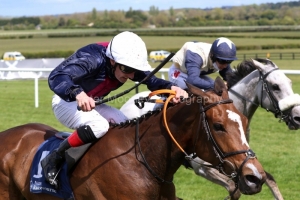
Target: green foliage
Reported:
[(4, 22), (94, 14), (264, 14), (136, 15), (25, 20), (153, 10)]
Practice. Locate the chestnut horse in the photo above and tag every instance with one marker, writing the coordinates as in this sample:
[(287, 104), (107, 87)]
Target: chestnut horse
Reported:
[(137, 160), (253, 83)]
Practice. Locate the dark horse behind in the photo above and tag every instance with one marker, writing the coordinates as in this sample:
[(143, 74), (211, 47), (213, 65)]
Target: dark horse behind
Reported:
[(139, 162)]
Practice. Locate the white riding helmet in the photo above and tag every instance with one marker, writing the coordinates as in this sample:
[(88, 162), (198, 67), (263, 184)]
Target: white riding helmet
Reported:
[(129, 49)]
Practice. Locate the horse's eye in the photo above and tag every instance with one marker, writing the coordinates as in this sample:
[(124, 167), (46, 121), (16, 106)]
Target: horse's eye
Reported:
[(218, 127), (275, 87)]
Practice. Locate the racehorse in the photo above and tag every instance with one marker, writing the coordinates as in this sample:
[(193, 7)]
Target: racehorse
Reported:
[(138, 159), (254, 83)]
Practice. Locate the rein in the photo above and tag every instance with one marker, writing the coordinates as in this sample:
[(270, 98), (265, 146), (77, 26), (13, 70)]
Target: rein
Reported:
[(172, 95)]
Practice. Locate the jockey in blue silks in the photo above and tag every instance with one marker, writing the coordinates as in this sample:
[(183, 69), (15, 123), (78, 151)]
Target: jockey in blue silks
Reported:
[(195, 60)]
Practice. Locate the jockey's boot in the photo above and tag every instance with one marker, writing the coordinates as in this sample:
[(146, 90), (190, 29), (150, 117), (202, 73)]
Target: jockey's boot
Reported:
[(52, 163)]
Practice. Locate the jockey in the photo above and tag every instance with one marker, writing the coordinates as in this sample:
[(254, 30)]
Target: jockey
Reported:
[(197, 59), (92, 72)]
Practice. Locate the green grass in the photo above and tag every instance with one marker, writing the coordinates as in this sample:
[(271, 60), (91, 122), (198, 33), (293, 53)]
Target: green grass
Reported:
[(276, 147), (43, 44)]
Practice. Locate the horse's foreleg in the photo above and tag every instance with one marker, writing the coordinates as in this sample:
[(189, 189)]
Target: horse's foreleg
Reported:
[(168, 192), (214, 176), (271, 183)]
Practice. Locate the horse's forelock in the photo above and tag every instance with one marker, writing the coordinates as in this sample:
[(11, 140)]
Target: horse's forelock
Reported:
[(240, 71), (265, 61)]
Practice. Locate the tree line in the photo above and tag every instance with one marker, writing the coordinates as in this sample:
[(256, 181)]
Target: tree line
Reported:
[(287, 13)]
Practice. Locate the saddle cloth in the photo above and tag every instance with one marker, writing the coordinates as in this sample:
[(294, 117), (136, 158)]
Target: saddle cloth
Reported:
[(38, 183)]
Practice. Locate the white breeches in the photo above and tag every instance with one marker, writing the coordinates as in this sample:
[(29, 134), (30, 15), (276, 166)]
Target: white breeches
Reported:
[(177, 76), (98, 119)]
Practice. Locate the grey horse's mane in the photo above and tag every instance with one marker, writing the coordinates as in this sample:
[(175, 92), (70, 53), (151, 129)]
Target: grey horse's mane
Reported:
[(243, 69)]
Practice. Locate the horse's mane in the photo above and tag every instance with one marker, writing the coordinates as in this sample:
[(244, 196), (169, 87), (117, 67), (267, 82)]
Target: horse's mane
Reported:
[(134, 120), (243, 69), (150, 113)]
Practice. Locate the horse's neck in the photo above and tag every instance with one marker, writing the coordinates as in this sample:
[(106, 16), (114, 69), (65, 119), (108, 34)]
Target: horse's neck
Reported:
[(248, 89), (155, 143), (183, 121)]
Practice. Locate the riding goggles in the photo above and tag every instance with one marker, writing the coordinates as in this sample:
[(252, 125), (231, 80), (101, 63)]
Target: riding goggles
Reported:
[(126, 69), (223, 61)]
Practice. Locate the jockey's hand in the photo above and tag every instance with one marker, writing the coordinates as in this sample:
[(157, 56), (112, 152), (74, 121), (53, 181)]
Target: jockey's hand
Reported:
[(179, 93), (85, 102)]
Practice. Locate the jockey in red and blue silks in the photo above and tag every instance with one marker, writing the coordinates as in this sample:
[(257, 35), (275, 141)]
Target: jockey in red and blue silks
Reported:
[(195, 60), (92, 72), (89, 70)]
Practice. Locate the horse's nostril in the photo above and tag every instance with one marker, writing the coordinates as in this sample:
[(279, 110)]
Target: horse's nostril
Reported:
[(297, 120), (252, 179)]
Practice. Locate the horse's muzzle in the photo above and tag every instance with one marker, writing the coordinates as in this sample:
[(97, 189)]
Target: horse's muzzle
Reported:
[(251, 184), (293, 121)]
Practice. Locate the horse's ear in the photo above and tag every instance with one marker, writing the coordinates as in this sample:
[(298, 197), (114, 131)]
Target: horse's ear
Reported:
[(219, 86), (259, 66), (194, 90)]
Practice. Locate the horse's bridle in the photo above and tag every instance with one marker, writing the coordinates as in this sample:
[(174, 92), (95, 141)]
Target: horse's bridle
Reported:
[(277, 112), (219, 153), (270, 95)]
